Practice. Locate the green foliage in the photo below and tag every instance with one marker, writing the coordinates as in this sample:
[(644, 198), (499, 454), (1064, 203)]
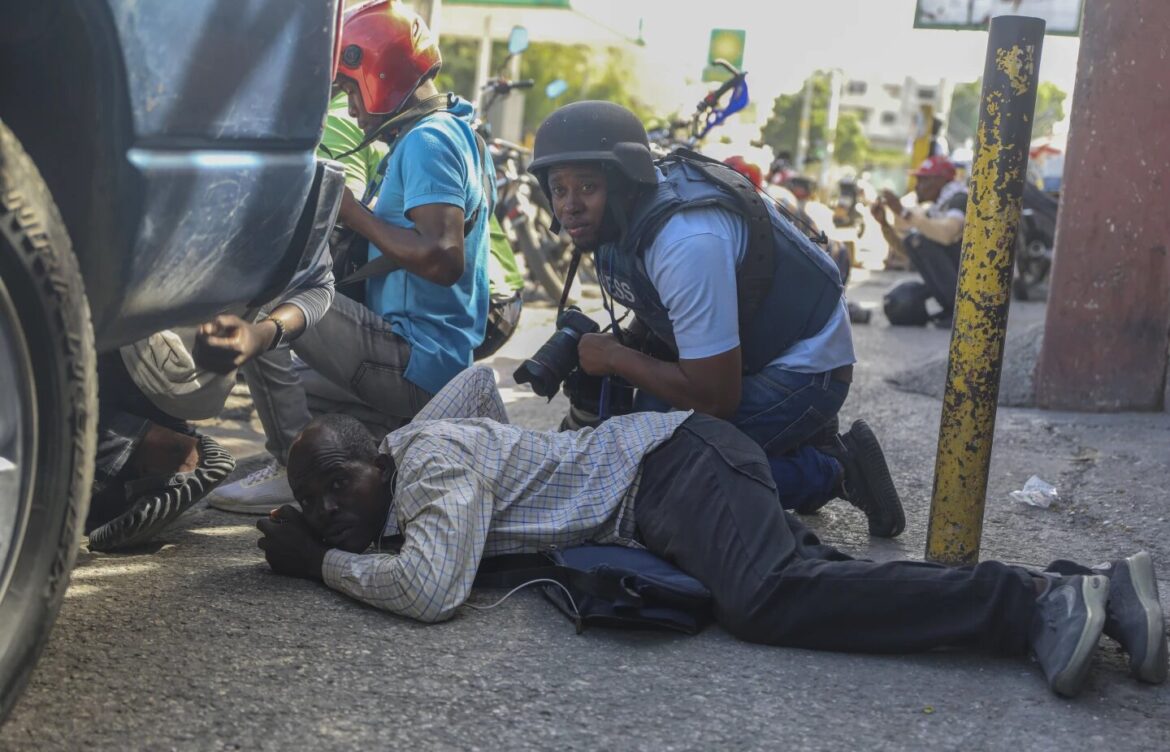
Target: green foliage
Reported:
[(782, 131), (964, 118), (1049, 108), (851, 145), (591, 74)]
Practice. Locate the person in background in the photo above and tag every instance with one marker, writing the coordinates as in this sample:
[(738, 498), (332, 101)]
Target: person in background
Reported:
[(931, 232)]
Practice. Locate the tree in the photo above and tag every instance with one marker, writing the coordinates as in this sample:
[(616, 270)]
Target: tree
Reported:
[(964, 117), (782, 131), (590, 74)]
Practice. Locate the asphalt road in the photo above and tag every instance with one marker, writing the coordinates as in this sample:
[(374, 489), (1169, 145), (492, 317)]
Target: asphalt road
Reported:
[(195, 645)]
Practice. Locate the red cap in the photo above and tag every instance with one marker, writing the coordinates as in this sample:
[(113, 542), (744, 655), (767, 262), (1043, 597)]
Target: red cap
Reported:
[(388, 51), (938, 166), (747, 169)]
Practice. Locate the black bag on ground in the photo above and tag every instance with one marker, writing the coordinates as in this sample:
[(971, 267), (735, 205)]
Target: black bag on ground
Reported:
[(608, 586), (905, 304)]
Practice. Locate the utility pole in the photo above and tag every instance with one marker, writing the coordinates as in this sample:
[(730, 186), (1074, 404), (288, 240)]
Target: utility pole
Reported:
[(831, 127), (483, 68), (805, 114)]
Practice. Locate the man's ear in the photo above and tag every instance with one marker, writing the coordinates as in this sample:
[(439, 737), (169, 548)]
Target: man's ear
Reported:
[(385, 466)]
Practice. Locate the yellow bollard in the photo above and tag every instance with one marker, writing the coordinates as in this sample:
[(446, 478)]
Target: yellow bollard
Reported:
[(981, 304)]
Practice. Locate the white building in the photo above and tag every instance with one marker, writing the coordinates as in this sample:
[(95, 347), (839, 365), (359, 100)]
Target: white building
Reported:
[(888, 112)]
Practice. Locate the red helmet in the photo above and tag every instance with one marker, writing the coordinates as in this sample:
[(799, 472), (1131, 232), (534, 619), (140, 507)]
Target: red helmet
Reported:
[(747, 169), (388, 51)]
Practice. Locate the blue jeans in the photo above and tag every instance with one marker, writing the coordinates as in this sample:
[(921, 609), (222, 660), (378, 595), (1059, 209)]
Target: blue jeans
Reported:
[(781, 410)]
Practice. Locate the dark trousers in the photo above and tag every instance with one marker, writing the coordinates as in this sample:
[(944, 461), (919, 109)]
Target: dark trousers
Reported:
[(124, 414), (707, 503), (939, 266)]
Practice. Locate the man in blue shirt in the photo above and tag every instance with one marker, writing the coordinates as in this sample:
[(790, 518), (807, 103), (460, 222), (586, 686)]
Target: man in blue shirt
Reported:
[(426, 309), (673, 246)]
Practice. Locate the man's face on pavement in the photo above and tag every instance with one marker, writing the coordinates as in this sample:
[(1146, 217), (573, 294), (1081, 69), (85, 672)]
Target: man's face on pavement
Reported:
[(357, 109), (928, 187), (578, 200), (344, 500)]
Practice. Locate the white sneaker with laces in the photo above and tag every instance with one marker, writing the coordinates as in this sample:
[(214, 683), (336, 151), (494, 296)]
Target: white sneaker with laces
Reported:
[(258, 493)]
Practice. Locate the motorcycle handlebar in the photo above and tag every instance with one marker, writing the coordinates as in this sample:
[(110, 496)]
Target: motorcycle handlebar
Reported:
[(503, 85), (737, 77)]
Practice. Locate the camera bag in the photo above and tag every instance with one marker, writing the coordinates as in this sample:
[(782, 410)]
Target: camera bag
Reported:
[(607, 586)]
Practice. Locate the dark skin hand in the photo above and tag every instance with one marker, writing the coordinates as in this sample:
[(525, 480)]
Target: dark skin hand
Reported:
[(708, 385), (227, 342), (290, 545), (891, 200), (433, 248)]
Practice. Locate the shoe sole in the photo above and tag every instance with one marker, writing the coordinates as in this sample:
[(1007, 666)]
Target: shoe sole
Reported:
[(1153, 669), (876, 474), (1095, 595), (239, 507), (149, 516)]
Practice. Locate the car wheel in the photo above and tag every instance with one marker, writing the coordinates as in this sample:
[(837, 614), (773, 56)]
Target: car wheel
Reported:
[(48, 414)]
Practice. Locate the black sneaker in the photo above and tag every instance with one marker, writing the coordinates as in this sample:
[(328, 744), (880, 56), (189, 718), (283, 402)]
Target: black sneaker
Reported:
[(1134, 616), (1070, 616), (867, 484), (157, 502)]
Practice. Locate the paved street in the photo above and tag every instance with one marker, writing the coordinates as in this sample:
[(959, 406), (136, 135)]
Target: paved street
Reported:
[(195, 645)]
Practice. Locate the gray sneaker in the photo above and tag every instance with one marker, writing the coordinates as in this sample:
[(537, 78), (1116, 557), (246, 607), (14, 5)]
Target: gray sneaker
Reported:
[(1068, 622), (1134, 616), (258, 493)]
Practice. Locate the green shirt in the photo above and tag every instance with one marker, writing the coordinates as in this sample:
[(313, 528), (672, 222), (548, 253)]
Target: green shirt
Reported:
[(343, 134)]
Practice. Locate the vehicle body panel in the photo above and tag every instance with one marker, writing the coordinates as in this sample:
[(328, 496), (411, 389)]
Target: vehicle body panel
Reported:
[(226, 102)]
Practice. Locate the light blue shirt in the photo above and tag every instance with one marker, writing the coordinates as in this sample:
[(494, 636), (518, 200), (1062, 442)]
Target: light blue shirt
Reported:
[(692, 263), (436, 162)]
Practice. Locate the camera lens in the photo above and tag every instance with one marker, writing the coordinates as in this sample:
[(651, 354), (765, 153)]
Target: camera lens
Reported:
[(545, 370)]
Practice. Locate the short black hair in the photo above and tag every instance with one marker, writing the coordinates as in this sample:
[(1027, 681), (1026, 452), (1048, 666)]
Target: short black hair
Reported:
[(355, 438)]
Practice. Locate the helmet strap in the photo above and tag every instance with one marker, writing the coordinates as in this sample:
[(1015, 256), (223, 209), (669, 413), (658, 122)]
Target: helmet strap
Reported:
[(403, 120)]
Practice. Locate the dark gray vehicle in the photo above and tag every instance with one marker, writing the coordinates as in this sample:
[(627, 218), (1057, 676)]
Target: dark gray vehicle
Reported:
[(156, 167)]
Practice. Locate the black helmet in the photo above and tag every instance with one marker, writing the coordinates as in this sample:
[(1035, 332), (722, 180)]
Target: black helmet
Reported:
[(905, 304), (594, 132)]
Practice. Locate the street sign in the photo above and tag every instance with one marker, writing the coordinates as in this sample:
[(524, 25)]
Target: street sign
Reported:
[(726, 44), (1062, 17)]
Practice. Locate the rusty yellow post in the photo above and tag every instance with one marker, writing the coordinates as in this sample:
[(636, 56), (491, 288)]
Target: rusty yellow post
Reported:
[(981, 303)]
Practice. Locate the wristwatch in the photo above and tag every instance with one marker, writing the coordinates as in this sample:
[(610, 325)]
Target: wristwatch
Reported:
[(279, 338)]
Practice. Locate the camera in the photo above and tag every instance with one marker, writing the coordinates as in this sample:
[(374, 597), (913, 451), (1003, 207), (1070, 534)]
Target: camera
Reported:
[(556, 361), (557, 357)]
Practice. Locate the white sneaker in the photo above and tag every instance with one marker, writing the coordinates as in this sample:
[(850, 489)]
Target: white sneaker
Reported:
[(259, 493)]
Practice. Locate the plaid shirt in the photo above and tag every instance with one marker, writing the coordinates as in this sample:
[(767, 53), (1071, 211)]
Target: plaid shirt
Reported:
[(469, 485)]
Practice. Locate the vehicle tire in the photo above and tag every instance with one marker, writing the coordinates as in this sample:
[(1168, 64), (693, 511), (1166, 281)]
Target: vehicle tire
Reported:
[(540, 268), (48, 425)]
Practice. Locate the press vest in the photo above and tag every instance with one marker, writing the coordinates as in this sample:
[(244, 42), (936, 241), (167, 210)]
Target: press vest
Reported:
[(787, 285)]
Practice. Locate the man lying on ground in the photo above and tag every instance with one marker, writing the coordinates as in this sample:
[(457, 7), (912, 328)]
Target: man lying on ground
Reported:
[(459, 484)]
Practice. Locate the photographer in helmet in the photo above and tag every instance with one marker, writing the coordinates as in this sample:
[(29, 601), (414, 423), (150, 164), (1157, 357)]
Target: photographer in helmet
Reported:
[(745, 315), (424, 305)]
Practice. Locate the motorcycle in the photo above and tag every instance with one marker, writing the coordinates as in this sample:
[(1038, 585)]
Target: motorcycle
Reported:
[(1034, 244), (522, 209), (849, 209), (689, 134)]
